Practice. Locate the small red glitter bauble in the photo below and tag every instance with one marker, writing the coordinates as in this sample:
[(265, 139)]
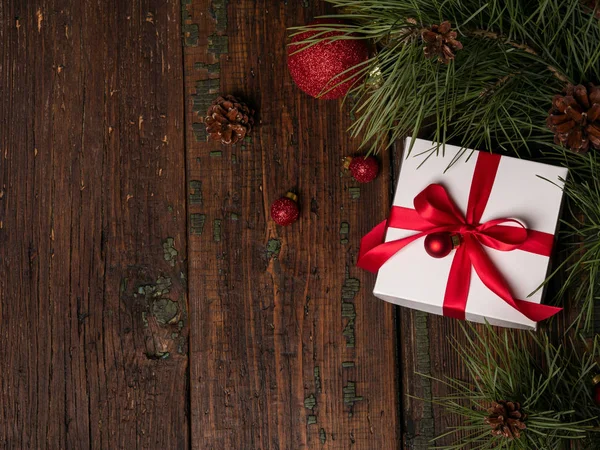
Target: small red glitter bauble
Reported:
[(284, 211), (363, 170), (438, 245), (314, 69)]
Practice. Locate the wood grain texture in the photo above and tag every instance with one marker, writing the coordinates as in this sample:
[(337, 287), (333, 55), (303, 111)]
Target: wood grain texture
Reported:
[(92, 225), (289, 349)]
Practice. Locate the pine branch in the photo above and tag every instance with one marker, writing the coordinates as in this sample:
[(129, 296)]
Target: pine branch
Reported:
[(526, 48), (555, 393)]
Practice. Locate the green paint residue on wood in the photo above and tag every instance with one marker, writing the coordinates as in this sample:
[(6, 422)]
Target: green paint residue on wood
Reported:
[(217, 230), (347, 364), (199, 130), (195, 192), (426, 431), (354, 192), (218, 45), (190, 30), (350, 288), (344, 231), (350, 397), (170, 253), (213, 69), (310, 402), (165, 311), (218, 11), (216, 154), (322, 436), (197, 223), (273, 248), (317, 374), (235, 217), (349, 313), (206, 91), (158, 289)]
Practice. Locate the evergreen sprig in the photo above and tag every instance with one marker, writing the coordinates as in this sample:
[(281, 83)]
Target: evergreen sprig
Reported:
[(580, 239), (495, 95), (552, 383)]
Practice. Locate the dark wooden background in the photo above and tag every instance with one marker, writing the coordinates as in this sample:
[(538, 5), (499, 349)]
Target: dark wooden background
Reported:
[(146, 299)]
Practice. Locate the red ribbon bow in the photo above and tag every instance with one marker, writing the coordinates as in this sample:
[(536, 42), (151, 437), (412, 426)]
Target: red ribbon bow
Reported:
[(435, 212)]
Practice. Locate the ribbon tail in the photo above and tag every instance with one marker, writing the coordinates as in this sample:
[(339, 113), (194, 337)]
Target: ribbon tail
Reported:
[(459, 282), (372, 258), (494, 281), (536, 311), (369, 241)]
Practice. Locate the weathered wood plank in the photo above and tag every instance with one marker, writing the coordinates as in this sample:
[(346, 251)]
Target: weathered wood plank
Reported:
[(92, 225), (288, 348)]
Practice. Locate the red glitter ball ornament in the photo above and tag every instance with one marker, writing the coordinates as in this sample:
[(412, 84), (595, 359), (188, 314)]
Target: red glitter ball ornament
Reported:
[(314, 69), (284, 211), (439, 245), (363, 170)]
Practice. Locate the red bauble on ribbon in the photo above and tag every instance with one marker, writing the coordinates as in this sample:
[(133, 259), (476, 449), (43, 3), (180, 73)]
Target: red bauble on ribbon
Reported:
[(315, 70), (439, 245), (284, 211)]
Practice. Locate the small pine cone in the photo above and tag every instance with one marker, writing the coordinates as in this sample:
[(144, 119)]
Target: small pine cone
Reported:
[(506, 419), (440, 42), (228, 120), (575, 118)]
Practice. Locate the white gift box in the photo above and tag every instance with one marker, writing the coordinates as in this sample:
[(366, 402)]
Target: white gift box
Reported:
[(522, 190)]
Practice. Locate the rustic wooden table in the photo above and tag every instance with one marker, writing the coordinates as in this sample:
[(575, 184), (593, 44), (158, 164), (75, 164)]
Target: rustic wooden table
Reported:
[(146, 300)]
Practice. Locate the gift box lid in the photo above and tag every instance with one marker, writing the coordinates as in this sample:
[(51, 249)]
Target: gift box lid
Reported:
[(530, 192)]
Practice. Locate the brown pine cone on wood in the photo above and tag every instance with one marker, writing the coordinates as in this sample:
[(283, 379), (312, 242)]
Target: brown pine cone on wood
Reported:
[(440, 42), (506, 419), (228, 120), (575, 118)]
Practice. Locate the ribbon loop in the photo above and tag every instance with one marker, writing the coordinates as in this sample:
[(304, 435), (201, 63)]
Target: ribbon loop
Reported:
[(434, 212)]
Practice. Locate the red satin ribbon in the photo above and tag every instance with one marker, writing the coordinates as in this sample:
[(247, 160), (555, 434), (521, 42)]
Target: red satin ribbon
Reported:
[(435, 212)]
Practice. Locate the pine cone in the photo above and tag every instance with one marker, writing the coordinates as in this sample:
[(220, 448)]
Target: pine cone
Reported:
[(228, 120), (440, 42), (506, 419), (575, 118)]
